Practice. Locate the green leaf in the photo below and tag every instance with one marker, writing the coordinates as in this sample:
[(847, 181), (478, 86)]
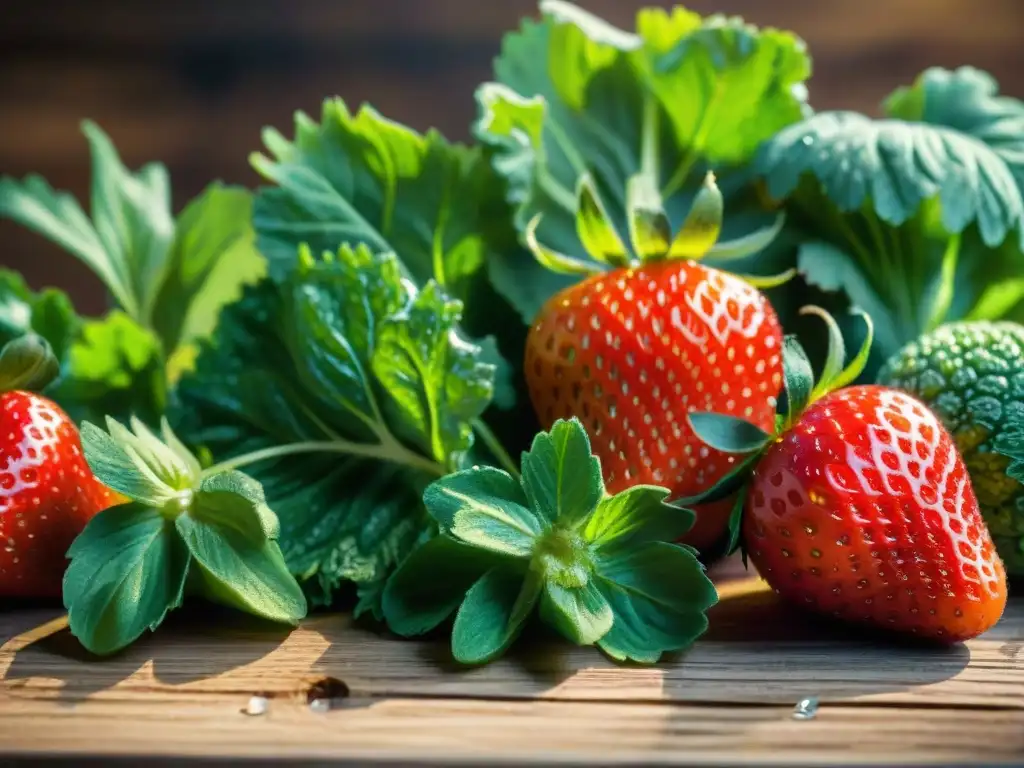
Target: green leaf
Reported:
[(48, 314), (492, 615), (363, 179), (561, 477), (211, 257), (431, 583), (736, 523), (649, 229), (27, 363), (120, 467), (114, 367), (576, 98), (699, 232), (228, 530), (634, 517), (58, 217), (288, 373), (998, 300), (484, 507), (799, 376), (127, 570), (726, 486), (835, 376), (728, 433), (580, 613), (967, 100), (594, 227), (659, 595), (435, 381)]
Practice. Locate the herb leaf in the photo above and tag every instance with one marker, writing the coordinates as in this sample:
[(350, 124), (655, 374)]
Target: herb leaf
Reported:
[(300, 371), (431, 583), (230, 532), (576, 98), (127, 570), (492, 615), (659, 594), (563, 543)]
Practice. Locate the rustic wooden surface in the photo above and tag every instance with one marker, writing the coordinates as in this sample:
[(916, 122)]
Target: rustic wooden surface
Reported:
[(192, 82), (181, 694)]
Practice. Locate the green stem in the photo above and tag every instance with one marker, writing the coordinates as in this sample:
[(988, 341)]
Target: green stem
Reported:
[(944, 295), (649, 139), (558, 193), (392, 452), (495, 447)]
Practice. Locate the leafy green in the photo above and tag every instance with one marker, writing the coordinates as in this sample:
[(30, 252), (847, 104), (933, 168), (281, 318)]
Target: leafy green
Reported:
[(27, 362), (182, 530), (556, 540), (636, 117), (169, 278), (128, 569), (345, 390), (48, 314), (913, 216)]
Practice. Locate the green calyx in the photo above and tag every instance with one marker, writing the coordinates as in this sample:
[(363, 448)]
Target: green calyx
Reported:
[(651, 238), (27, 363), (600, 569), (734, 435), (180, 531)]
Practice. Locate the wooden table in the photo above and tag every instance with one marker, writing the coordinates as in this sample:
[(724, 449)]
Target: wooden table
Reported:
[(183, 692)]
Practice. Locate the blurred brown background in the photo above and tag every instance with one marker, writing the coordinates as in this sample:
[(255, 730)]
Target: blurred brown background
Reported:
[(191, 82)]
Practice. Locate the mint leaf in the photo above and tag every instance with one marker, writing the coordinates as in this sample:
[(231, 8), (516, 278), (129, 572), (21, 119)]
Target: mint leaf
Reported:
[(575, 98), (484, 507), (312, 373), (212, 255), (229, 530), (659, 594), (561, 477), (431, 583), (127, 570), (492, 615)]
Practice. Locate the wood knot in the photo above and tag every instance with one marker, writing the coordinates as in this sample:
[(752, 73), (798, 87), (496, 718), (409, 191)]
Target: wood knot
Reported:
[(326, 688)]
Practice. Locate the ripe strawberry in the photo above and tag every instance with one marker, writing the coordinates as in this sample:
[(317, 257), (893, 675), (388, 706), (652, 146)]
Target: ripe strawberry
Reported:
[(47, 494), (865, 511), (632, 350), (860, 506)]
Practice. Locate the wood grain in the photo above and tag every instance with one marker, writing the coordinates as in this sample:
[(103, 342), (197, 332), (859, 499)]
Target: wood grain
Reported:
[(181, 692)]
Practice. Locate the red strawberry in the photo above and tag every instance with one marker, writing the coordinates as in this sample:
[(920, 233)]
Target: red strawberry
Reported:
[(865, 511), (47, 492), (632, 350), (860, 506)]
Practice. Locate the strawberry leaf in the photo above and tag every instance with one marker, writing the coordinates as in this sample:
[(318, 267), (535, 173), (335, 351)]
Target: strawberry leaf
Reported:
[(492, 615), (48, 314), (659, 594), (798, 377), (576, 98), (230, 532), (431, 583), (736, 522), (543, 538), (127, 570), (345, 410), (728, 433)]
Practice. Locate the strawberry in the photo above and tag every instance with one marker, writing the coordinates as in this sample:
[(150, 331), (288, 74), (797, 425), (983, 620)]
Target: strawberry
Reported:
[(630, 351), (860, 507), (47, 491)]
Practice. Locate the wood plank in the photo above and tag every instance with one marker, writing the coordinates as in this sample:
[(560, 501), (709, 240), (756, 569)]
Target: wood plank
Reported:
[(445, 731), (756, 652)]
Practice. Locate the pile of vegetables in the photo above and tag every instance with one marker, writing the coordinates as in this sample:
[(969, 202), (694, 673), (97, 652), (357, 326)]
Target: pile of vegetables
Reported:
[(550, 375)]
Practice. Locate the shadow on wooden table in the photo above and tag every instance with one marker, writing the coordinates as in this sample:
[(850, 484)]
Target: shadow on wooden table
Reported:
[(188, 647)]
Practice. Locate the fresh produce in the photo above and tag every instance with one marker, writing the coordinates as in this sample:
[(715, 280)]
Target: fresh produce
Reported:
[(860, 507), (47, 491), (632, 350), (971, 375), (600, 568), (180, 530), (608, 285)]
